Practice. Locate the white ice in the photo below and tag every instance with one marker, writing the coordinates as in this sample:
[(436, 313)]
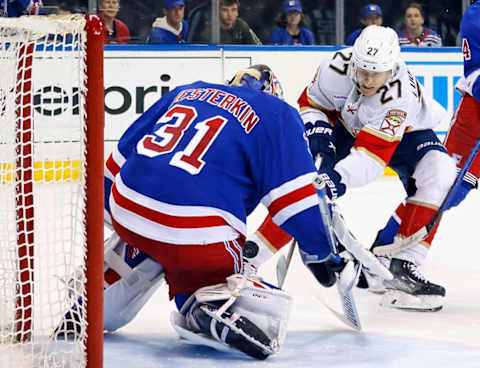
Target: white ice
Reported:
[(390, 338)]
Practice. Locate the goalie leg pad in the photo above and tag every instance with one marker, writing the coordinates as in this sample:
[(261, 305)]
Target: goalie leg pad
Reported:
[(131, 278), (234, 330), (246, 314)]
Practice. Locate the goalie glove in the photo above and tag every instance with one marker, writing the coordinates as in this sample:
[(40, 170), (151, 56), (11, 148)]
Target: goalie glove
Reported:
[(325, 271)]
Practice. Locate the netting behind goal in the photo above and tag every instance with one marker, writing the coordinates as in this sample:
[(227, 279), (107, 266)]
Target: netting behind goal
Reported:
[(51, 216)]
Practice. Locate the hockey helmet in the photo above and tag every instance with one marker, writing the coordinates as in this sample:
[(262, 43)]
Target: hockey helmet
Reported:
[(259, 77), (376, 49)]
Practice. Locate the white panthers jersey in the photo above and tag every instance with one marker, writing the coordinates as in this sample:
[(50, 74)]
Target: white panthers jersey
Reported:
[(333, 89), (381, 120)]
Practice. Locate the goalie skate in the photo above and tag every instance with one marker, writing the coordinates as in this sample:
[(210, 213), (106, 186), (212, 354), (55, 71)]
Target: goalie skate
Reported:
[(409, 290)]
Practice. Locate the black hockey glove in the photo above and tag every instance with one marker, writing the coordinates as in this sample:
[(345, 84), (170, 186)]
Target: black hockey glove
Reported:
[(325, 271), (321, 140), (332, 179)]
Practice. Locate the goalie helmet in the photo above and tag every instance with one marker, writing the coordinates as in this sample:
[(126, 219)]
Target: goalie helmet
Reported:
[(259, 77), (376, 49)]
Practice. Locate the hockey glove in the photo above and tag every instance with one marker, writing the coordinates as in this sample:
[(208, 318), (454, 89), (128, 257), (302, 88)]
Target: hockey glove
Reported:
[(325, 271), (462, 191), (332, 179), (321, 140)]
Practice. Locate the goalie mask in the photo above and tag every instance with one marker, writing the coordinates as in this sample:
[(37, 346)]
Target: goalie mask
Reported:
[(259, 77), (376, 50)]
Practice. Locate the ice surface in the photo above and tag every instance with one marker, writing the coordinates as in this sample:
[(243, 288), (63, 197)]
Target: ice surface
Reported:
[(390, 338)]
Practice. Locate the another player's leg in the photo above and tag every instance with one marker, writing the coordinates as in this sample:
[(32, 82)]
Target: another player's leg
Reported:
[(263, 244), (459, 141), (409, 289)]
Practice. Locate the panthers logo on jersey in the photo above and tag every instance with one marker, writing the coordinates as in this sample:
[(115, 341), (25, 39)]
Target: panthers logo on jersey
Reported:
[(392, 121)]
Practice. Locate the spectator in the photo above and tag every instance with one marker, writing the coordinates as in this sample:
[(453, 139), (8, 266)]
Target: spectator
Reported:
[(115, 30), (291, 30), (233, 30), (171, 28), (415, 34), (371, 14)]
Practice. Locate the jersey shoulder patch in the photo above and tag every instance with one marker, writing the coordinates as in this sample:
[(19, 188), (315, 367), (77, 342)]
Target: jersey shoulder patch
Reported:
[(392, 121)]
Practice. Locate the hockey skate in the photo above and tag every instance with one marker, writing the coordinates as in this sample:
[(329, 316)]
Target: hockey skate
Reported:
[(371, 282), (410, 290)]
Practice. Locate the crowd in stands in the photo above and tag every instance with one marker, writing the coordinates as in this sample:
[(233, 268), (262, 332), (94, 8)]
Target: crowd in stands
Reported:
[(268, 22)]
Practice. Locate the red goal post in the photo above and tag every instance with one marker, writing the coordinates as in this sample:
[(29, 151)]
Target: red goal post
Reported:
[(51, 191)]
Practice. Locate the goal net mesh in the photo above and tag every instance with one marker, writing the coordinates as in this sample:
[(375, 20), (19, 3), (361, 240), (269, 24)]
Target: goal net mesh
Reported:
[(42, 192)]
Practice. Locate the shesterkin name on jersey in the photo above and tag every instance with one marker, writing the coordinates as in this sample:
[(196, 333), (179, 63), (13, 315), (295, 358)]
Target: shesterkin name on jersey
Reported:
[(393, 120), (240, 109)]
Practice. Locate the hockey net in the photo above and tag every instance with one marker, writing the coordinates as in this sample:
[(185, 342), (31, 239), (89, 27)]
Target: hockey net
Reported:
[(51, 191)]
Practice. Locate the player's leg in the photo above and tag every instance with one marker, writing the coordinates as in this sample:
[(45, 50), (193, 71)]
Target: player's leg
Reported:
[(131, 277), (461, 137), (434, 173), (223, 312), (264, 243)]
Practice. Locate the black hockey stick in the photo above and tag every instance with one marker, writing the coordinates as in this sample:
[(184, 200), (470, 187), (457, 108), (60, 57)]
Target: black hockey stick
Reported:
[(405, 243)]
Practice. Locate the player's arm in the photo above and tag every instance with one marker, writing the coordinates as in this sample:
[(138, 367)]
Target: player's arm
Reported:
[(286, 178), (318, 108)]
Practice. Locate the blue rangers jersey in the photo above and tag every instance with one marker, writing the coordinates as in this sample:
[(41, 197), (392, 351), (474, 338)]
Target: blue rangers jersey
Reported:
[(195, 165), (428, 38), (470, 38), (16, 8)]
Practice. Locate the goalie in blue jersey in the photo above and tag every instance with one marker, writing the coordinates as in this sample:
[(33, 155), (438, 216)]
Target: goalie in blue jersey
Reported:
[(178, 189)]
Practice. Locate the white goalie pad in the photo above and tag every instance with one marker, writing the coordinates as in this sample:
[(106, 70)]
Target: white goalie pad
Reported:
[(127, 296), (264, 305), (180, 326)]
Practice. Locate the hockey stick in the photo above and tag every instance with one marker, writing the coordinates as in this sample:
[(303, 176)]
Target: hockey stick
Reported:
[(349, 276), (405, 243), (283, 264)]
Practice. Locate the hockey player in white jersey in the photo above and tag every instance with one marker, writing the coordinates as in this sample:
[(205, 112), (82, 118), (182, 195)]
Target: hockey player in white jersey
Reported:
[(364, 110)]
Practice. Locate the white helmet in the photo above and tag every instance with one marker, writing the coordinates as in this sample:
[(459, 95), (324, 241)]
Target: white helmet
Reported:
[(376, 50)]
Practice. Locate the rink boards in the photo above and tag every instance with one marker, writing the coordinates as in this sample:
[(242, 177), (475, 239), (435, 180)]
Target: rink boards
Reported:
[(137, 75)]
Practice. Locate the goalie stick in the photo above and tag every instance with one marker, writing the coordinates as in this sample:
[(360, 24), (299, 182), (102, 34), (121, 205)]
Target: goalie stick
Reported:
[(283, 264), (349, 276), (405, 243)]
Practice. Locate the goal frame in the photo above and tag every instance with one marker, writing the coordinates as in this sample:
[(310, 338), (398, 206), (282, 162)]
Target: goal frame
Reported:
[(94, 192)]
